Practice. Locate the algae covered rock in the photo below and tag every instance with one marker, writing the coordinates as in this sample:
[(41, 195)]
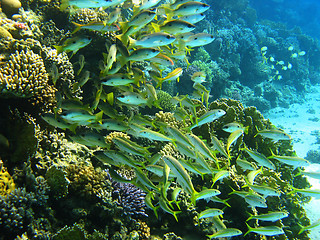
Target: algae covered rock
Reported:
[(4, 33)]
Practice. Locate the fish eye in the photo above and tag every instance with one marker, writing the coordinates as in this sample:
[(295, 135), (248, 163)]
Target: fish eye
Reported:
[(196, 38), (168, 37)]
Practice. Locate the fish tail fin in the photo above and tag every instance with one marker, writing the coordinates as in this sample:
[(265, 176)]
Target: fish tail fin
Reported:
[(73, 127), (246, 130), (132, 42), (250, 217), (250, 229), (78, 27), (64, 5), (58, 48), (302, 229), (99, 117), (156, 27)]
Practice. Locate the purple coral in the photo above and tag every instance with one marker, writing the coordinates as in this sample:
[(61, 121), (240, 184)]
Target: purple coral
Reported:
[(130, 198)]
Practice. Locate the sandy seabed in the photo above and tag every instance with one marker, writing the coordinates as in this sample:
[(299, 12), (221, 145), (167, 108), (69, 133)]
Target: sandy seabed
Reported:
[(302, 122)]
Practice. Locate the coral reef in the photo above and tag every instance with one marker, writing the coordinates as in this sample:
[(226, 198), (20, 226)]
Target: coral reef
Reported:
[(23, 75)]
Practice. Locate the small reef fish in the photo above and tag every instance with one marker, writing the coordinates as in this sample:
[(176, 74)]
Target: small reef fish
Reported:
[(210, 212), (208, 117), (176, 27), (93, 139), (146, 4), (162, 59), (54, 73), (198, 77), (233, 137), (153, 135), (81, 117), (255, 201), (231, 127), (271, 216), (274, 134), (132, 98), (118, 79), (260, 158), (111, 58), (180, 172), (291, 160), (113, 16), (194, 18), (190, 8), (224, 233), (311, 226), (219, 175), (153, 40), (83, 80), (96, 26), (216, 145), (199, 39), (74, 104), (141, 19), (266, 231), (204, 194), (253, 174), (130, 147), (315, 175), (178, 136), (142, 54), (172, 76), (58, 122), (81, 63), (111, 125), (88, 4), (245, 164), (307, 192), (264, 190), (121, 159), (73, 44)]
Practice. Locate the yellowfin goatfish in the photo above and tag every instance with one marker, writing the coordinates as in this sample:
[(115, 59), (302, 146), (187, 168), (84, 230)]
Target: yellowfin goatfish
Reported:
[(177, 26), (260, 158), (266, 231), (96, 26), (190, 8), (209, 116), (81, 117), (73, 44), (233, 137), (271, 216), (311, 226), (153, 40), (180, 172), (89, 3), (307, 192), (291, 160), (274, 134), (177, 3), (199, 39), (194, 18), (228, 232), (210, 212)]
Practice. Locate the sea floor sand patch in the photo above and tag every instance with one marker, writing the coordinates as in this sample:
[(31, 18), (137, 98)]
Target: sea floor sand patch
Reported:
[(302, 122)]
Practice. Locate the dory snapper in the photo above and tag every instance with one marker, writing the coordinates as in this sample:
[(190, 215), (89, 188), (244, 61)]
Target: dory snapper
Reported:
[(89, 4), (132, 98), (199, 39), (153, 40), (190, 8), (177, 27), (73, 44)]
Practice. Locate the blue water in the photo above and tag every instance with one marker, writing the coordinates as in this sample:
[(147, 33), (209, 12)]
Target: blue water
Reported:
[(302, 13)]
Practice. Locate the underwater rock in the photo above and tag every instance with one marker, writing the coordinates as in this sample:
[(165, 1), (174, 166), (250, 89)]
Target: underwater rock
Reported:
[(10, 7), (6, 181)]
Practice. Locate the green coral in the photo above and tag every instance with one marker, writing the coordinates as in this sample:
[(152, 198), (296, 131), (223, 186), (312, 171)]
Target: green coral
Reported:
[(164, 100), (57, 181), (6, 181)]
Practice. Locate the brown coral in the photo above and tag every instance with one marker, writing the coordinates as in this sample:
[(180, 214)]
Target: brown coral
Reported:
[(24, 75)]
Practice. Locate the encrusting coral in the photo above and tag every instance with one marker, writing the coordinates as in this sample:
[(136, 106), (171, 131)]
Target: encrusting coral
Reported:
[(6, 181)]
